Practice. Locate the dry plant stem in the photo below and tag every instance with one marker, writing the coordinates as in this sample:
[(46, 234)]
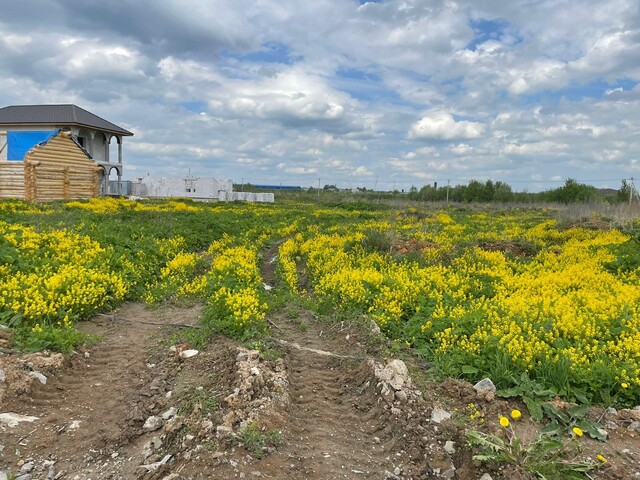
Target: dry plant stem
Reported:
[(316, 351)]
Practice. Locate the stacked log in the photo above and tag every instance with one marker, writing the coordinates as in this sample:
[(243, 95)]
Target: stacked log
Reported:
[(12, 180), (59, 170)]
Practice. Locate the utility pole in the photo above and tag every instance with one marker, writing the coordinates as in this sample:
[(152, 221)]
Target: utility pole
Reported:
[(242, 185), (318, 188), (632, 191), (448, 191)]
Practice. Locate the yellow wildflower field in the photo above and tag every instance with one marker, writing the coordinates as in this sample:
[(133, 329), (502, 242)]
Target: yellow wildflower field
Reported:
[(508, 294)]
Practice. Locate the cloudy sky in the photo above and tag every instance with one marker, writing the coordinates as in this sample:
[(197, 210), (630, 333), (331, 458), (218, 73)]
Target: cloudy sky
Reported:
[(383, 94)]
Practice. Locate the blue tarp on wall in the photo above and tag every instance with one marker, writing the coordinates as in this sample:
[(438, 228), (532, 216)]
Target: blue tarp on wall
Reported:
[(19, 143)]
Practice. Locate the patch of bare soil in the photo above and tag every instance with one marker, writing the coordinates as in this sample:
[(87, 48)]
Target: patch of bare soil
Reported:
[(403, 246), (94, 403), (517, 249), (590, 224)]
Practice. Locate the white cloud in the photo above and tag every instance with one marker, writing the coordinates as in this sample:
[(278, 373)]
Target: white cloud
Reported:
[(296, 169), (442, 126), (92, 58), (15, 41), (362, 170), (461, 149), (532, 148)]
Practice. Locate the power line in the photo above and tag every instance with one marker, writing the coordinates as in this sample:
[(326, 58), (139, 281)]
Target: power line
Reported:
[(376, 180)]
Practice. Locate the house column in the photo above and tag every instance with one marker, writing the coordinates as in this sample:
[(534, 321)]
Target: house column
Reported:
[(120, 165), (106, 148), (89, 147)]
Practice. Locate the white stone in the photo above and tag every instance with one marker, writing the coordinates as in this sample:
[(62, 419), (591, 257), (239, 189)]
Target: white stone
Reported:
[(634, 426), (449, 447), (41, 378), (188, 353), (485, 386), (170, 413), (13, 419), (395, 373), (152, 467), (152, 424), (438, 415)]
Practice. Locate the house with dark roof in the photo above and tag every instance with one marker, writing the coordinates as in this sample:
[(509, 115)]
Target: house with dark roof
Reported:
[(22, 127)]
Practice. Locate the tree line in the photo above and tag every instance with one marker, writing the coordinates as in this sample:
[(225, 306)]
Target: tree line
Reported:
[(489, 191)]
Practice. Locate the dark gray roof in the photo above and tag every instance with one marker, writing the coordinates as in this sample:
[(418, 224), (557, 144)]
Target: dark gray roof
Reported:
[(56, 115)]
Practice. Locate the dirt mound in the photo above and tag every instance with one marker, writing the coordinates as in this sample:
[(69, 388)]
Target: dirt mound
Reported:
[(510, 247), (590, 224), (405, 246)]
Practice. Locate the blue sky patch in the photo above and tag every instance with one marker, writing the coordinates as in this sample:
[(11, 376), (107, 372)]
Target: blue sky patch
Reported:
[(594, 90), (486, 30), (271, 52), (195, 106)]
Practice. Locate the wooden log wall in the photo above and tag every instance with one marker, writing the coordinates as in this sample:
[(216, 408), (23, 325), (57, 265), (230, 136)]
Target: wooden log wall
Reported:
[(59, 170), (12, 180)]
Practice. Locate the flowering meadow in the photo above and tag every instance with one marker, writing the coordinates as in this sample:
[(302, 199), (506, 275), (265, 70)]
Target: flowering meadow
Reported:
[(511, 294)]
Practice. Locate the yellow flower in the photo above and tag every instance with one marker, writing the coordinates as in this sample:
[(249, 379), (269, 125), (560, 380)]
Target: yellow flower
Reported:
[(504, 421), (602, 458), (577, 431), (624, 385), (516, 414)]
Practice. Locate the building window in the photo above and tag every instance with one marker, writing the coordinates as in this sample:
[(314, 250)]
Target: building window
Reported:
[(190, 185)]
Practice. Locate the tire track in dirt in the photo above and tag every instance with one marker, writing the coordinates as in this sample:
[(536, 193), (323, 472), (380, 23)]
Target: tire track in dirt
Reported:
[(97, 404), (336, 428)]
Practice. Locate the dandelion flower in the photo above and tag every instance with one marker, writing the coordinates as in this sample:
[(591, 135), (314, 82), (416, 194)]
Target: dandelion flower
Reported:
[(504, 421), (624, 385), (577, 431), (516, 414)]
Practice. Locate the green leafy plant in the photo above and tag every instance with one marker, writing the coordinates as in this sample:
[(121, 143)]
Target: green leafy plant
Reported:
[(533, 394), (258, 441), (566, 419), (548, 457), (49, 337), (200, 401)]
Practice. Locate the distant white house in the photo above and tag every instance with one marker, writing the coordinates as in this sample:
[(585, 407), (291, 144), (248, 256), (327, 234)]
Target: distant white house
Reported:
[(197, 188)]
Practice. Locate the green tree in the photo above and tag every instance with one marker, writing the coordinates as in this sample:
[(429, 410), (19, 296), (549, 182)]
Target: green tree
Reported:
[(502, 192), (474, 192), (571, 192), (624, 193)]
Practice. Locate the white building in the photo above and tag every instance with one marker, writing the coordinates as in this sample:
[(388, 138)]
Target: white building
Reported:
[(197, 188)]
